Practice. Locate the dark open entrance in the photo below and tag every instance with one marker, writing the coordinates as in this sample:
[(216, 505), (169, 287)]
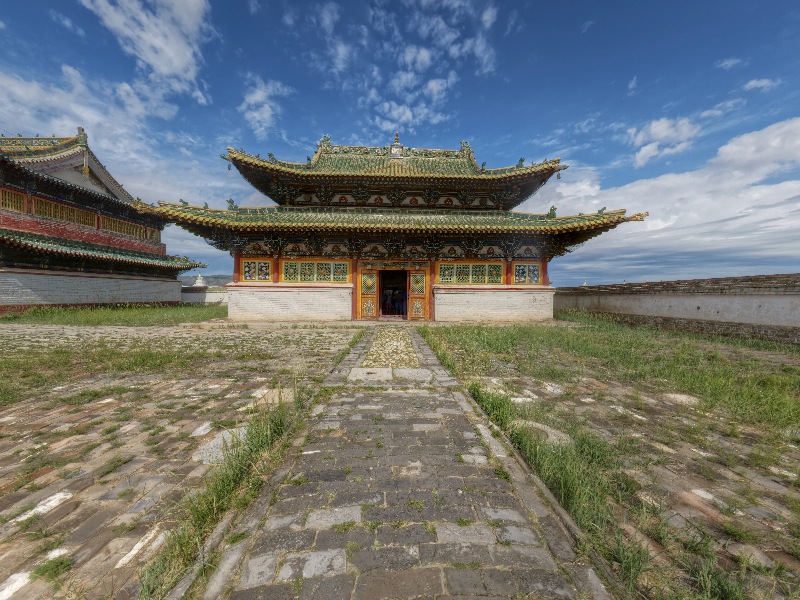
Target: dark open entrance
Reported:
[(393, 293)]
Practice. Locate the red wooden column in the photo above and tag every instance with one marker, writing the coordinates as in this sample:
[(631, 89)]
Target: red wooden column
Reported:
[(355, 282), (545, 276), (509, 273), (237, 269)]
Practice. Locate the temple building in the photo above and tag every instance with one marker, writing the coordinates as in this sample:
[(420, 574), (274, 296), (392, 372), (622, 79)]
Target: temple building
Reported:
[(390, 232), (71, 235)]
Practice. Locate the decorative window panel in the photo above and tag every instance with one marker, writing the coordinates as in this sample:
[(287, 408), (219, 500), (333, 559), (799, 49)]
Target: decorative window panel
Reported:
[(475, 273), (307, 271), (263, 270), (315, 271), (446, 273), (340, 272), (417, 308), (478, 274), (291, 271), (249, 270), (368, 283), (10, 200), (418, 283), (525, 274), (495, 274), (462, 274), (62, 212), (324, 272)]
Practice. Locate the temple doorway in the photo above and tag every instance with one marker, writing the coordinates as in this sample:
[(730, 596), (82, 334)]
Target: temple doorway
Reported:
[(393, 294)]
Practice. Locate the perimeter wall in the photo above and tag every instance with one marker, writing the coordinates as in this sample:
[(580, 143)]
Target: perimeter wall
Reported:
[(760, 306), (22, 288)]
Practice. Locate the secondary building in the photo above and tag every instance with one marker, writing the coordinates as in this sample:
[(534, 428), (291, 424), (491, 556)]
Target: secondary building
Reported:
[(390, 232), (71, 235)]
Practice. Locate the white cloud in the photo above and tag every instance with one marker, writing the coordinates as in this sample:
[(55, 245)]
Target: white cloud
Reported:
[(402, 81), (2, 25), (479, 48), (586, 26), (489, 16), (511, 24), (65, 22), (253, 6), (662, 137), (327, 15), (259, 106), (165, 38), (741, 210), (289, 18), (632, 84), (723, 108), (416, 58), (436, 89), (764, 85), (729, 63)]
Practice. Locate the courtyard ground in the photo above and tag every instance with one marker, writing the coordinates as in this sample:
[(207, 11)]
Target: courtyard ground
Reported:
[(677, 455)]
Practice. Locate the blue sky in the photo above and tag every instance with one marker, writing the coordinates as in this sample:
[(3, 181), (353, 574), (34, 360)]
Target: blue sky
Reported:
[(687, 110)]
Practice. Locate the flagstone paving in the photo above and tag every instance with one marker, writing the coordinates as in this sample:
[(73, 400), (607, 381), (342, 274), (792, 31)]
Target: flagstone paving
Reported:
[(94, 478), (399, 490)]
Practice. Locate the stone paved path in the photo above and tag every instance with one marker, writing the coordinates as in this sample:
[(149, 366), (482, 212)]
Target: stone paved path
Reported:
[(399, 490)]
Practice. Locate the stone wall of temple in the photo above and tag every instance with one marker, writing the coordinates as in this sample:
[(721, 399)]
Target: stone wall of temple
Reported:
[(761, 306), (22, 287), (496, 305), (280, 302)]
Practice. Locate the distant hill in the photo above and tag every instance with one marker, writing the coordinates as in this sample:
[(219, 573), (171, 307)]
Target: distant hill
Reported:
[(211, 280)]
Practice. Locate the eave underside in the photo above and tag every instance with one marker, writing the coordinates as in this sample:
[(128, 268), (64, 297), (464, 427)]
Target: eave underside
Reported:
[(27, 249)]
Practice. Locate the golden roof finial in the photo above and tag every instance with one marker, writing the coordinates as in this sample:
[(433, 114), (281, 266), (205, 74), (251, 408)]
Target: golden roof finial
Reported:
[(396, 137)]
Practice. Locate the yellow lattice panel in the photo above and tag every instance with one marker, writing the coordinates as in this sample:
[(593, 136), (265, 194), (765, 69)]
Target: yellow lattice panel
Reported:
[(123, 227), (11, 200), (62, 212)]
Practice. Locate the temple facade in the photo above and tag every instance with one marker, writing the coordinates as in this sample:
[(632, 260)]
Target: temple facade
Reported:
[(391, 232), (71, 235)]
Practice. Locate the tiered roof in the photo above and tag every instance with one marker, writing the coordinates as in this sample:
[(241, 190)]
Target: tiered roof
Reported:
[(381, 169)]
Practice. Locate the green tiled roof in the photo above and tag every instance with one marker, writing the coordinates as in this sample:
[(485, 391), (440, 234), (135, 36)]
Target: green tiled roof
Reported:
[(379, 162), (294, 219), (64, 247)]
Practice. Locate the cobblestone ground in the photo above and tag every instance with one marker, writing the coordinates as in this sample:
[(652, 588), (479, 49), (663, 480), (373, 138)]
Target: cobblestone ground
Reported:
[(399, 490), (90, 469)]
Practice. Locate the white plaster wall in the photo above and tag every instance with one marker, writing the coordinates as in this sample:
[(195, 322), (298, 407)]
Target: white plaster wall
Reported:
[(751, 308), (278, 302), (206, 297), (497, 305), (20, 288)]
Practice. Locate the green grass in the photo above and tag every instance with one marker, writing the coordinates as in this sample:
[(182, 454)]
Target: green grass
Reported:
[(747, 383), (52, 569), (119, 314), (201, 510), (753, 389)]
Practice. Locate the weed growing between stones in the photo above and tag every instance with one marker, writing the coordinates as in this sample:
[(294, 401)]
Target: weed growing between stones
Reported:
[(200, 511)]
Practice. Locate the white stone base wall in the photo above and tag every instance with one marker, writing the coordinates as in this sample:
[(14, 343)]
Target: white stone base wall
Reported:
[(205, 297), (20, 287), (494, 305), (280, 302)]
